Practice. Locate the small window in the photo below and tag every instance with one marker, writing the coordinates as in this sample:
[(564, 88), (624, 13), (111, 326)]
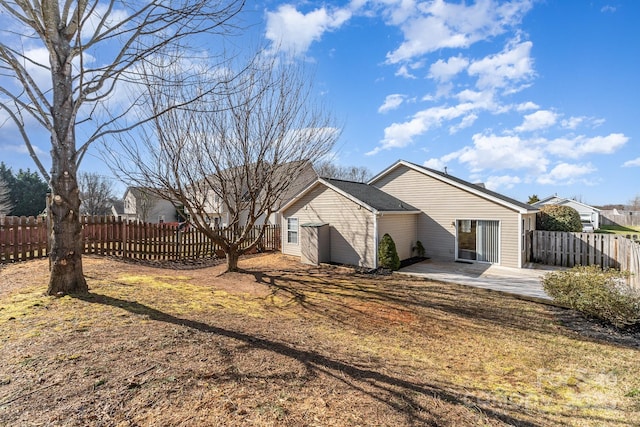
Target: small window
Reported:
[(292, 230), (160, 219)]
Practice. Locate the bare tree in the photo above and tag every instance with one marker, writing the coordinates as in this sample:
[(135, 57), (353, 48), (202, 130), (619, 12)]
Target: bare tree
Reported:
[(93, 48), (242, 149), (5, 199), (634, 204), (328, 169), (96, 193)]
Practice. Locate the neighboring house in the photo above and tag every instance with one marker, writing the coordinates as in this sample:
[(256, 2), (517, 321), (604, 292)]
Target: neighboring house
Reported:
[(354, 215), (589, 215), (217, 211), (117, 208), (143, 204), (454, 219)]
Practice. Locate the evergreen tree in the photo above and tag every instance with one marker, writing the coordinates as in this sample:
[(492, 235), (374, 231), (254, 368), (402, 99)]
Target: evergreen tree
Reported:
[(29, 194), (533, 199), (5, 199), (387, 253), (27, 191)]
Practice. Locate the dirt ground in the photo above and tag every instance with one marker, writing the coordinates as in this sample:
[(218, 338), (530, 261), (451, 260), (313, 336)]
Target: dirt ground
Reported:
[(283, 344)]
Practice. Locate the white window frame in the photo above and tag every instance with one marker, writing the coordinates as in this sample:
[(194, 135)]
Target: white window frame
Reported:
[(291, 232)]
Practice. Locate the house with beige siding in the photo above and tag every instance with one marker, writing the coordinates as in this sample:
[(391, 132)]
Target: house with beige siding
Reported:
[(458, 220), (340, 221), (455, 220)]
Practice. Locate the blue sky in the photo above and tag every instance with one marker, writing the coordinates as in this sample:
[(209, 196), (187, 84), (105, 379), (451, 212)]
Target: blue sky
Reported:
[(529, 97)]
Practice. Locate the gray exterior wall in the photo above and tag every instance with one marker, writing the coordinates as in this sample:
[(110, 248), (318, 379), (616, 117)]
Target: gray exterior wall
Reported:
[(442, 204), (351, 226), (148, 208), (403, 229)]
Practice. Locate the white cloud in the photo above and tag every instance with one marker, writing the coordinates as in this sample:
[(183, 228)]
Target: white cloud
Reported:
[(541, 119), (429, 26), (399, 135), (38, 67), (505, 181), (572, 122), (495, 152), (403, 71), (575, 122), (293, 32), (391, 102), (632, 163), (22, 149), (503, 70), (480, 99), (99, 17), (436, 164), (466, 122), (445, 70), (566, 174), (527, 106), (579, 146)]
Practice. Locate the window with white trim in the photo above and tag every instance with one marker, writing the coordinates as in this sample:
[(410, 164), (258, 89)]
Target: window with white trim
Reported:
[(292, 230)]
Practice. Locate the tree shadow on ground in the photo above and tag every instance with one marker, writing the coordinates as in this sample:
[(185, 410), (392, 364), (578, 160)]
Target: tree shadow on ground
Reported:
[(480, 305), (399, 394)]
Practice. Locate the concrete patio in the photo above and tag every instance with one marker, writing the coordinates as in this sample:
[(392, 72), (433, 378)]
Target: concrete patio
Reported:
[(524, 282)]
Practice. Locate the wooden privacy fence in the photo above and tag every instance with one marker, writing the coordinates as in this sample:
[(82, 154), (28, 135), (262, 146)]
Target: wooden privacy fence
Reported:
[(24, 238), (623, 218), (570, 249)]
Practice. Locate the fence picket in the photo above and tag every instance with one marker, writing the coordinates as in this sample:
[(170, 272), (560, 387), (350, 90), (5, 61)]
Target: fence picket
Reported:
[(23, 238), (570, 249)]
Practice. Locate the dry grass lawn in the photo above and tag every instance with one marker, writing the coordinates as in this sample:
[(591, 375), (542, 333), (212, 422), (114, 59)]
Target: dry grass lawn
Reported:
[(282, 344)]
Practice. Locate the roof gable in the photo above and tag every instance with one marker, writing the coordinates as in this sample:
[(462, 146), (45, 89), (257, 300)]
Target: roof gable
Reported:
[(365, 195), (461, 184), (557, 200)]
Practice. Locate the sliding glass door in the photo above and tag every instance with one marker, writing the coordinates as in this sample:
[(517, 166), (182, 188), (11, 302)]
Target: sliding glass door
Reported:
[(478, 240)]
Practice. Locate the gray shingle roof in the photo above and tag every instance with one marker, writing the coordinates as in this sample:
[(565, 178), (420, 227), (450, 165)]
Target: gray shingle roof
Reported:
[(371, 196)]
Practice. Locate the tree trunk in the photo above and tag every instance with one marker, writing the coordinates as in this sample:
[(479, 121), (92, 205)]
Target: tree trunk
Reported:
[(233, 256), (66, 238)]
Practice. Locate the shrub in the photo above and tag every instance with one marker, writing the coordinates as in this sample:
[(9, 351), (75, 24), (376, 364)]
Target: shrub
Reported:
[(387, 253), (603, 294), (558, 218), (419, 249)]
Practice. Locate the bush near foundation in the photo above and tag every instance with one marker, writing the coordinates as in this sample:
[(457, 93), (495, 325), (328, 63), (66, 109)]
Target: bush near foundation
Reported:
[(387, 253), (598, 293)]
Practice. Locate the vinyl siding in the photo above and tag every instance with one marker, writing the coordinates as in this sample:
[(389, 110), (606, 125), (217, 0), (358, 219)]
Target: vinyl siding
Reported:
[(351, 228), (442, 204), (402, 228)]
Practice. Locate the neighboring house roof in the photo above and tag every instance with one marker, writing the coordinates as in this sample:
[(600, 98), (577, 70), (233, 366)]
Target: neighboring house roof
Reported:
[(117, 206), (366, 195), (139, 192), (557, 200), (149, 193), (238, 176), (462, 184)]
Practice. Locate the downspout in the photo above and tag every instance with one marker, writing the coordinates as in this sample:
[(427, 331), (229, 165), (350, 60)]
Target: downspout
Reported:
[(375, 239), (521, 239)]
